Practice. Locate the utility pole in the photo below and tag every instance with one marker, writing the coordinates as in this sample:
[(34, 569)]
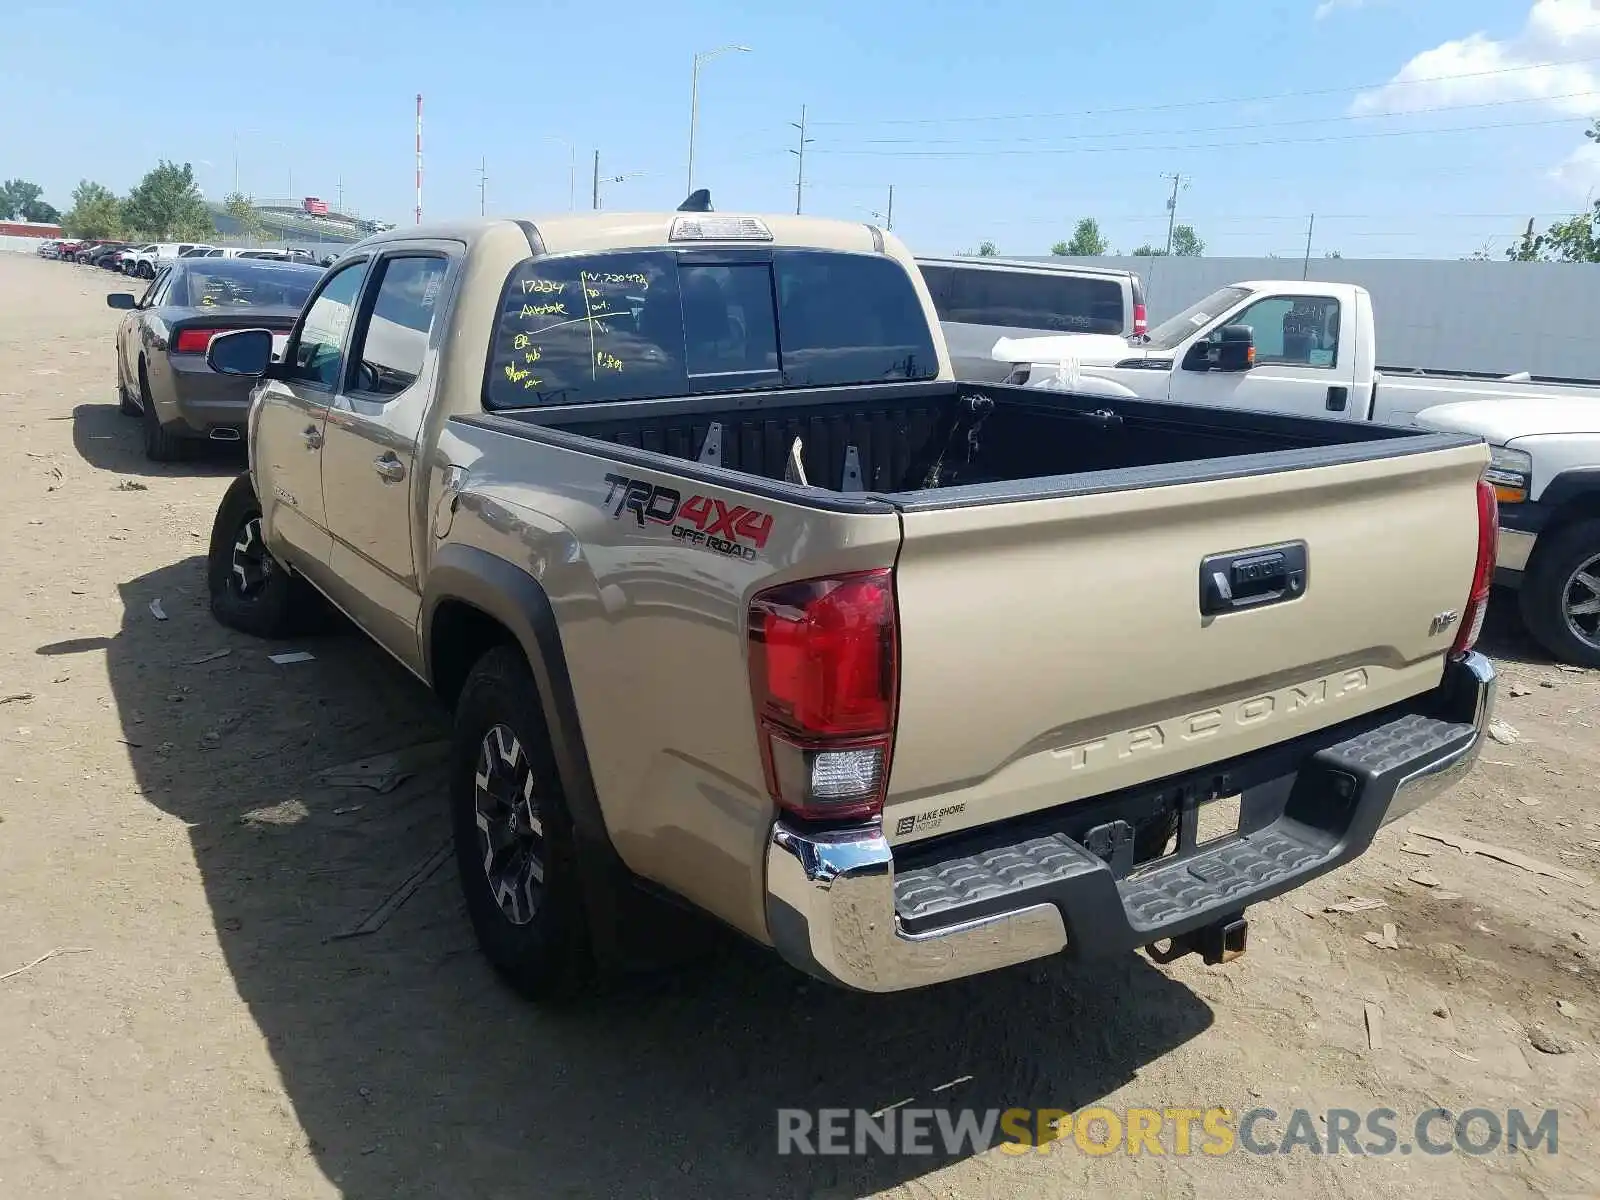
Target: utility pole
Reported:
[(597, 181), (483, 186), (1305, 267), (1172, 205), (338, 205), (419, 159), (888, 219), (800, 156)]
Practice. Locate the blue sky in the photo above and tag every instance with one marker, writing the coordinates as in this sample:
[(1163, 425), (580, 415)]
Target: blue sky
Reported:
[(1006, 124)]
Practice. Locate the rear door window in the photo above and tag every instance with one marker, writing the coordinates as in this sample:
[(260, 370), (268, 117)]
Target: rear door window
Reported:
[(1029, 300), (392, 345)]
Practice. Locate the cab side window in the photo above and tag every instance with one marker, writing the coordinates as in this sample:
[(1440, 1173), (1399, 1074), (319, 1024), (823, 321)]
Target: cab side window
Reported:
[(158, 286), (318, 350), (393, 341), (1295, 331)]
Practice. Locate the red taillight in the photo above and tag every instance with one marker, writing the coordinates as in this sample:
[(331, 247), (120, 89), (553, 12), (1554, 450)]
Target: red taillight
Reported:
[(193, 341), (1141, 323), (824, 675), (1482, 571)]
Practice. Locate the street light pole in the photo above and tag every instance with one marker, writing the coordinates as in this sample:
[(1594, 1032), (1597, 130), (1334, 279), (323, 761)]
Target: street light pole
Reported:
[(694, 96), (572, 168)]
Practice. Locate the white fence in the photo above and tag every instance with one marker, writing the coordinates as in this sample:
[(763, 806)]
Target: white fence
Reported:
[(1499, 317)]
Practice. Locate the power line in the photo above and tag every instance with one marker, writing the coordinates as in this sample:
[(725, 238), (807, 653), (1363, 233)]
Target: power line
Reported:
[(1293, 141), (1219, 128), (1181, 104)]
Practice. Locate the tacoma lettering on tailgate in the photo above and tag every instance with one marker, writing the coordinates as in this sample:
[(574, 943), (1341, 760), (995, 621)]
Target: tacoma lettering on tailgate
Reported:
[(701, 521), (1181, 731)]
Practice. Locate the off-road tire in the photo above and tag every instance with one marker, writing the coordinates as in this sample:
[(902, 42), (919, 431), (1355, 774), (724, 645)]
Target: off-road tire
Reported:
[(548, 956), (273, 603), (1543, 598)]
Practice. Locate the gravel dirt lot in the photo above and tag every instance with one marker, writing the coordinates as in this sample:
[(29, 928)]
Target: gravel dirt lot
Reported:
[(165, 820)]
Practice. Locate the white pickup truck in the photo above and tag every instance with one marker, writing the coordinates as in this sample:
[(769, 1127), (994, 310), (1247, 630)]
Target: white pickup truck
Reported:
[(1309, 349)]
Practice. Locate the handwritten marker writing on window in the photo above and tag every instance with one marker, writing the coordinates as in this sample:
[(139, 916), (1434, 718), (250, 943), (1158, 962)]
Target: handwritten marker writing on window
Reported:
[(543, 310), (607, 361), (543, 287)]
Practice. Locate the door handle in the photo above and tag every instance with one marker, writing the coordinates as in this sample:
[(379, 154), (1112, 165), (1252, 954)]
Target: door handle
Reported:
[(313, 437), (1338, 398), (389, 468), (1251, 578)]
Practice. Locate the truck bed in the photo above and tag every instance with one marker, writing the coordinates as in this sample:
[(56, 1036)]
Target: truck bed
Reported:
[(986, 439)]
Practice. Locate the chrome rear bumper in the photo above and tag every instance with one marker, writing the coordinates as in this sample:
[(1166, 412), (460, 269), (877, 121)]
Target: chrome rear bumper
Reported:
[(831, 895)]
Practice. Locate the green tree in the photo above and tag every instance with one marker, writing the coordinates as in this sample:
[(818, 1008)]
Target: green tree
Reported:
[(1186, 242), (1148, 251), (1577, 239), (986, 250), (95, 213), (1087, 241), (238, 206), (19, 201), (1332, 254), (168, 206)]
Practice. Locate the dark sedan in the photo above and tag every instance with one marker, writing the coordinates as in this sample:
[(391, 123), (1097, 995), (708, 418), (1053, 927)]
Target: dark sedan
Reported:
[(162, 376)]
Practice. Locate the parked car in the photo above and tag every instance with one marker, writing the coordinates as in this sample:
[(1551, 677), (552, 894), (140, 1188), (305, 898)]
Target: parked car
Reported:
[(738, 596), (49, 249), (982, 299), (66, 250), (147, 261), (1545, 467), (162, 374), (104, 253)]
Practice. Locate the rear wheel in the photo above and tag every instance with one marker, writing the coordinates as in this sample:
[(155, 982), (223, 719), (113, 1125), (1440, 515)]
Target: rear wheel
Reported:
[(160, 445), (126, 404), (515, 849), (250, 590), (1560, 595)]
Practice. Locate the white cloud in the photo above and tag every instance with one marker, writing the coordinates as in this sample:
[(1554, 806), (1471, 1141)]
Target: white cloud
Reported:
[(1579, 172), (1534, 64)]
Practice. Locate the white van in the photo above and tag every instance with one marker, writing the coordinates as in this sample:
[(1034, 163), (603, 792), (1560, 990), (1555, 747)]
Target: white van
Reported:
[(980, 300)]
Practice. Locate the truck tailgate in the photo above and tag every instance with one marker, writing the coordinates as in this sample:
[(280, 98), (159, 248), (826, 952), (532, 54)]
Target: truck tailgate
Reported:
[(1055, 648)]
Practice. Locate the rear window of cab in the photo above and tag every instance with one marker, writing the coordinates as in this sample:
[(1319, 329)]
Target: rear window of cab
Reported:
[(643, 325)]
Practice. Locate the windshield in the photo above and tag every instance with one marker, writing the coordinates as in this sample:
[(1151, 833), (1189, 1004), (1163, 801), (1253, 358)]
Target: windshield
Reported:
[(1174, 330)]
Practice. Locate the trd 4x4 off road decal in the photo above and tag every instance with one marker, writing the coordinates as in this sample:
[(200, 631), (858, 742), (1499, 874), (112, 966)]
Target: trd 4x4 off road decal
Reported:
[(703, 521)]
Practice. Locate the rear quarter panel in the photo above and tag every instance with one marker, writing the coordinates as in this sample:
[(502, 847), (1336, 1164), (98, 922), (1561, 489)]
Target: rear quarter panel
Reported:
[(653, 632)]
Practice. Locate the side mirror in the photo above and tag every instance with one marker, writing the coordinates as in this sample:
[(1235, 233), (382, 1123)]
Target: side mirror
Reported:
[(243, 352), (1236, 351), (122, 300)]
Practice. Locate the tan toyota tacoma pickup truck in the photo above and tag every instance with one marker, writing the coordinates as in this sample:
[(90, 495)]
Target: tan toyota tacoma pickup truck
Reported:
[(739, 600)]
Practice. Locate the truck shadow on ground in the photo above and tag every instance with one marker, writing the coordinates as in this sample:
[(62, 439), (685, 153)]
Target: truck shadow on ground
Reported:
[(1504, 636), (414, 1072), (106, 439)]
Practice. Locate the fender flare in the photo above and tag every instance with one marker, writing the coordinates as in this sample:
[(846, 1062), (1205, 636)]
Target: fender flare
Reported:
[(514, 598)]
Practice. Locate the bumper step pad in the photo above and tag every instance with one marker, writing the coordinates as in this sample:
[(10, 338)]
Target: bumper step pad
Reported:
[(1339, 797)]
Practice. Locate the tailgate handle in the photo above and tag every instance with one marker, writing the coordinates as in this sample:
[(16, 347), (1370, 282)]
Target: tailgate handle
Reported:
[(1338, 399), (1252, 578)]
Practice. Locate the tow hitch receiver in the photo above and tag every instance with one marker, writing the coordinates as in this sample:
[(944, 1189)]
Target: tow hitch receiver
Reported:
[(1220, 942)]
